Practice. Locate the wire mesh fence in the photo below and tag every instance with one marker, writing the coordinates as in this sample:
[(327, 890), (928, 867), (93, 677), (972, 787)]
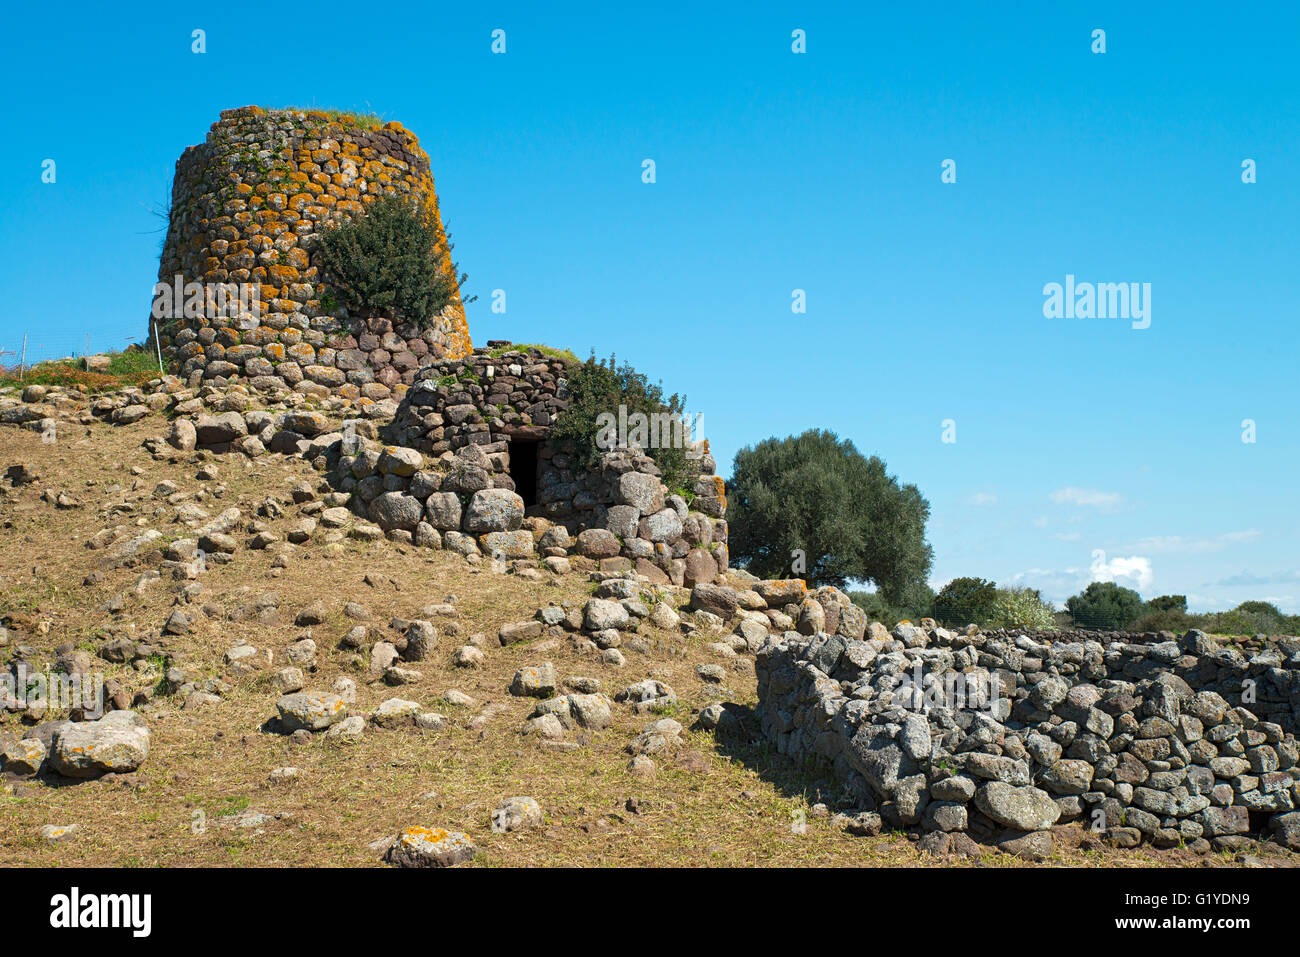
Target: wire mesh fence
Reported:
[(22, 349)]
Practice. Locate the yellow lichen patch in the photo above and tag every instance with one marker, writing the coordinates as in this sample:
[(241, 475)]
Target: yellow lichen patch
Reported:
[(280, 274), (418, 833)]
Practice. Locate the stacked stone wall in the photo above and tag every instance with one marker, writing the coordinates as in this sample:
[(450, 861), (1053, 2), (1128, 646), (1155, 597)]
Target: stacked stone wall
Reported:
[(1170, 740), (247, 207)]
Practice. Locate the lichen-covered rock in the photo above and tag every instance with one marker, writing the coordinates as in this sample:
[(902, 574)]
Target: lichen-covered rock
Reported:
[(429, 847), (591, 711), (310, 710), (664, 525), (598, 543), (642, 492), (515, 813), (601, 614), (505, 545), (395, 460), (535, 681), (443, 510), (493, 510), (117, 743), (396, 711), (24, 756)]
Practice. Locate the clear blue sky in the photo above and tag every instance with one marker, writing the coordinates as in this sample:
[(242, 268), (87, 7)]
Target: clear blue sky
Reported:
[(778, 171)]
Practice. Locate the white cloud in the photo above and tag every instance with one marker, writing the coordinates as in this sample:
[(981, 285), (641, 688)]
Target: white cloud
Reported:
[(984, 498), (1249, 535), (1067, 536), (1086, 497), (1040, 522), (1195, 546), (1133, 571), (1249, 579), (1178, 544)]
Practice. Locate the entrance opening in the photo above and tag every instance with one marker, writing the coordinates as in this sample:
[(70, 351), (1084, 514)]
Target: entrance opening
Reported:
[(523, 469)]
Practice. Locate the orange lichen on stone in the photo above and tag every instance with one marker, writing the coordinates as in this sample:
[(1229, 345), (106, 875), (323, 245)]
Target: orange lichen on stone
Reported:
[(276, 179)]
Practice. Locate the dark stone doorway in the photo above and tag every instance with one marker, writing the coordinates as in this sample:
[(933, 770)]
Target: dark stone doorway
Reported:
[(523, 469)]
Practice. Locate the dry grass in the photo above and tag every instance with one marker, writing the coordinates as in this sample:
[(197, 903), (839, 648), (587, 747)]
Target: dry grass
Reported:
[(706, 805), (130, 367)]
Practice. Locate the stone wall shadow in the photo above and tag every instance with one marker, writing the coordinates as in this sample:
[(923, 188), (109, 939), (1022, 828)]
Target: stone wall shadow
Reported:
[(739, 736)]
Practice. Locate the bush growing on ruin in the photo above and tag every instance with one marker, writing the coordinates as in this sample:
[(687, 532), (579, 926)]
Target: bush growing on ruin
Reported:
[(965, 600), (389, 262), (818, 496), (599, 387), (1105, 606)]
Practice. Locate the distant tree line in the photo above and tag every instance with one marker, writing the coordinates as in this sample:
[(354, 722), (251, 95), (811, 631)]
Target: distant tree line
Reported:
[(812, 506)]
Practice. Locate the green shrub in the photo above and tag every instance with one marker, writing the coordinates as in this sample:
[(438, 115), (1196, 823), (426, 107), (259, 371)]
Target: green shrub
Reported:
[(1105, 606), (1254, 618), (1164, 613), (597, 388), (1156, 619), (819, 495), (1174, 603), (389, 262), (1019, 607), (965, 600)]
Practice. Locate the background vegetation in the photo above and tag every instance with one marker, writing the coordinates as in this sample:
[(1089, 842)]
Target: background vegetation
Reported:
[(818, 495)]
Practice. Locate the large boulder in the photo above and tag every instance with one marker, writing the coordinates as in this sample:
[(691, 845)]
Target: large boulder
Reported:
[(306, 424), (601, 613), (621, 520), (517, 544), (182, 435), (1024, 808), (598, 543), (311, 710), (118, 743), (664, 525), (537, 681), (396, 460), (396, 510), (701, 568), (591, 711), (443, 510), (643, 492), (429, 847), (493, 510), (718, 600), (219, 429), (782, 591)]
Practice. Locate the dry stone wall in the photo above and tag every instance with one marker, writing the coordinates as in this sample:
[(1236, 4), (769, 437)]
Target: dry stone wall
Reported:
[(247, 206), (1171, 741)]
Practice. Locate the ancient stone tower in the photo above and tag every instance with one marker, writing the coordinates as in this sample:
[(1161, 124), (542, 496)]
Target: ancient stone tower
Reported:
[(249, 302)]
